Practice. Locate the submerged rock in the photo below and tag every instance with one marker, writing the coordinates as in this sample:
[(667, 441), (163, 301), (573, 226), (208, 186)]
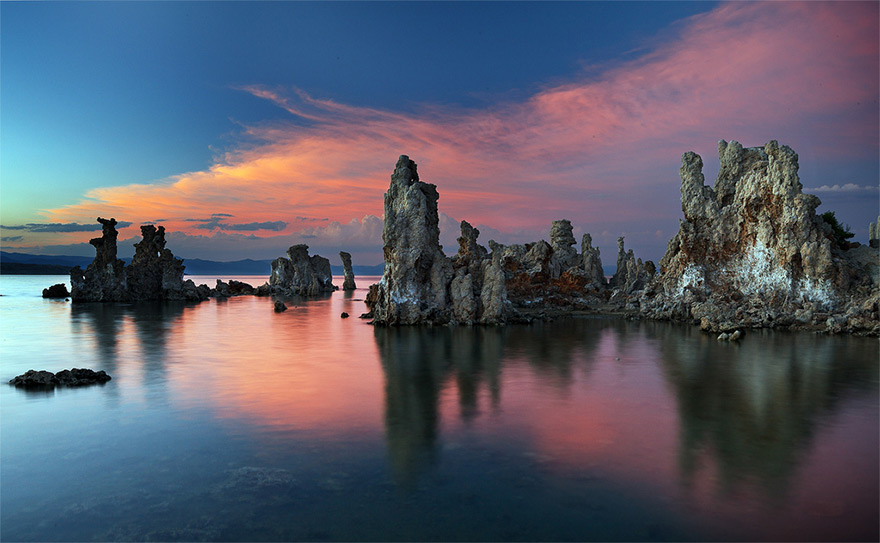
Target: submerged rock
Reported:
[(752, 252), (56, 291), (73, 377), (280, 307), (347, 272)]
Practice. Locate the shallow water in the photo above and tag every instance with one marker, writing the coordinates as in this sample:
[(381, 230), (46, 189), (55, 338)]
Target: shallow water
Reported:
[(227, 421)]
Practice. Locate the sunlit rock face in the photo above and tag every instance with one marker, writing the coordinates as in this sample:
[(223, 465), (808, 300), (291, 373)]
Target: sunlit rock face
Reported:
[(752, 251), (154, 272), (301, 274)]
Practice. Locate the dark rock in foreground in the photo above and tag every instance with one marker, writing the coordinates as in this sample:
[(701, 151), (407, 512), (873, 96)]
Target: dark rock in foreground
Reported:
[(280, 307), (73, 378), (56, 291)]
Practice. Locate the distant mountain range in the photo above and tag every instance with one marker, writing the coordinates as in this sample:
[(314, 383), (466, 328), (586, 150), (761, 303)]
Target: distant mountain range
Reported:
[(25, 264)]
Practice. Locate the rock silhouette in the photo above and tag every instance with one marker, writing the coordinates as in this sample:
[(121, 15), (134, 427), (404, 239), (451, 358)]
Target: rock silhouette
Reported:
[(154, 273)]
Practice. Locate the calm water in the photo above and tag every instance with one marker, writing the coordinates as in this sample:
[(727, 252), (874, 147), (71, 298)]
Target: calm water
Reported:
[(227, 421)]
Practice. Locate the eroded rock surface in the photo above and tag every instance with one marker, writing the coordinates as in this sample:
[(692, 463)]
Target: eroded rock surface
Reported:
[(154, 273), (422, 285), (415, 284), (300, 274), (752, 252), (347, 273)]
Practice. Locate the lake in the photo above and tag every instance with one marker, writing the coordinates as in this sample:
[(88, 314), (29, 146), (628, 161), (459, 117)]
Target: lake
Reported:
[(226, 421)]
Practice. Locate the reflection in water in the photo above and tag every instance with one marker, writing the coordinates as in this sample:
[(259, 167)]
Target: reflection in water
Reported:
[(750, 408), (228, 421), (417, 362), (152, 321), (747, 410)]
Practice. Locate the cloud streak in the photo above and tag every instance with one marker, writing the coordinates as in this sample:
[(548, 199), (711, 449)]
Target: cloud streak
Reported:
[(602, 150), (61, 227)]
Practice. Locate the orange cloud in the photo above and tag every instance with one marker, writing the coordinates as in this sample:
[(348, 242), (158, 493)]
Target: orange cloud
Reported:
[(602, 151)]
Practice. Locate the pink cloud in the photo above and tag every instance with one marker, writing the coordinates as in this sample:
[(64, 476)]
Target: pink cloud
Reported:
[(601, 151)]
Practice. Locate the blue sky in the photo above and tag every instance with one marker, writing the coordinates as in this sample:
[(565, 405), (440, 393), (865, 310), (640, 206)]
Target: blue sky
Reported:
[(105, 95)]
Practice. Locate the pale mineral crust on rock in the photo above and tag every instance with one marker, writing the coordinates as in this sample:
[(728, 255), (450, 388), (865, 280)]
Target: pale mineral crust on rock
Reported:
[(300, 274), (154, 273), (347, 273), (751, 252)]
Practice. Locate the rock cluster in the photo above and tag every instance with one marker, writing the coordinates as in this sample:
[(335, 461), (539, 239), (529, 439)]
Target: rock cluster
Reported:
[(632, 275), (422, 285), (751, 252), (347, 272), (299, 274), (154, 273), (72, 378)]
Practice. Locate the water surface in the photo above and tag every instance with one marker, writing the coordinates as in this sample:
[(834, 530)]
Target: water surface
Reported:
[(227, 421)]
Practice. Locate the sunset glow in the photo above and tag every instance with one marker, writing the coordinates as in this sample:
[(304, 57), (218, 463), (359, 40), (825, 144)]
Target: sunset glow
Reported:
[(601, 148)]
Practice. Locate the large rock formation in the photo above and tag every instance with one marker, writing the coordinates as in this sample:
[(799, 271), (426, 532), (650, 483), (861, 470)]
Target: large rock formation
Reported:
[(415, 284), (300, 274), (751, 251), (592, 263), (515, 282), (104, 279), (154, 273), (348, 274)]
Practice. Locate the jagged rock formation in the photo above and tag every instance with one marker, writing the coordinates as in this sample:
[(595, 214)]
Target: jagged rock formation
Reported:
[(415, 284), (154, 273), (104, 279), (300, 274), (592, 264), (631, 274), (422, 285), (752, 252), (347, 272), (73, 378), (56, 291), (564, 256)]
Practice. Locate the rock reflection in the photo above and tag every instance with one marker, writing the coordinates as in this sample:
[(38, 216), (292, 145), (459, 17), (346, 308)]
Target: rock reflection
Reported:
[(418, 361), (750, 409), (152, 321)]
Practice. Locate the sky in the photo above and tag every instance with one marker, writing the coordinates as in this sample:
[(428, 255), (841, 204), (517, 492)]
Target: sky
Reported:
[(245, 128)]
